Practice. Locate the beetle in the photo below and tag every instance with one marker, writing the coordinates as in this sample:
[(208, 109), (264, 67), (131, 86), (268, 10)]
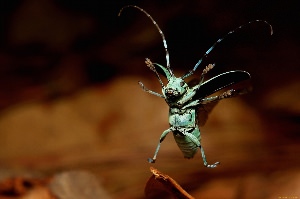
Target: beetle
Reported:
[(185, 100)]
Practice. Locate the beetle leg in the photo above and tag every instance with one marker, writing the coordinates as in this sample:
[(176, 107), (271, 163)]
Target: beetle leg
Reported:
[(162, 137), (204, 159), (197, 142), (191, 104), (209, 99), (205, 71), (188, 95), (150, 91), (226, 94)]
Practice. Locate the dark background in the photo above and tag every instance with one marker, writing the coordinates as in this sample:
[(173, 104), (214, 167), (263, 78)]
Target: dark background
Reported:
[(40, 38), (50, 50)]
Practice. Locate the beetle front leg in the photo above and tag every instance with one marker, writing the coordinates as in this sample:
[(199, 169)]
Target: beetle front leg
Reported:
[(150, 91), (187, 96), (162, 137)]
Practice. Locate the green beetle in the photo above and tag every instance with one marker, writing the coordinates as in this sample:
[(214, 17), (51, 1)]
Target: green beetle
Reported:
[(185, 100)]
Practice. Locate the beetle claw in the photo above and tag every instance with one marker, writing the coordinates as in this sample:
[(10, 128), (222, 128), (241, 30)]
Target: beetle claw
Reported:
[(150, 160)]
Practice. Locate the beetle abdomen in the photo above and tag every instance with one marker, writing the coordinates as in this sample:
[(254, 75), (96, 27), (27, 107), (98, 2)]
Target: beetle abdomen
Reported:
[(186, 145)]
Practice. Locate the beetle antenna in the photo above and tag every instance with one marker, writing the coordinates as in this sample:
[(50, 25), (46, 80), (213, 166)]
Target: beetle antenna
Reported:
[(218, 41), (159, 30)]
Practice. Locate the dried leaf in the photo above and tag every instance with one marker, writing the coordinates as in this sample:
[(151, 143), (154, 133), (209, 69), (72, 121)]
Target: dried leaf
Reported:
[(20, 187), (76, 185), (159, 184)]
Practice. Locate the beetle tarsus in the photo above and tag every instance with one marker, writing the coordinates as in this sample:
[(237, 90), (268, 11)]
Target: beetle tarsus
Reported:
[(212, 165), (150, 160)]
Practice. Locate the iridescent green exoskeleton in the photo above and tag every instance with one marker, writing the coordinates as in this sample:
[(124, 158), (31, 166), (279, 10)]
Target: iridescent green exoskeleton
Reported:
[(185, 100)]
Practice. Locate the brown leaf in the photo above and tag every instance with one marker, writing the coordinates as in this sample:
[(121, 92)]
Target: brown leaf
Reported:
[(76, 185), (19, 187), (159, 184)]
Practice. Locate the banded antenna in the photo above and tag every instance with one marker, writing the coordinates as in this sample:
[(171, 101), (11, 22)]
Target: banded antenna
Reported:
[(159, 30), (218, 41)]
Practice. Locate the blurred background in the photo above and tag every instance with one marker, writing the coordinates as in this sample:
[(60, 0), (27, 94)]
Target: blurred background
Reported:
[(69, 97)]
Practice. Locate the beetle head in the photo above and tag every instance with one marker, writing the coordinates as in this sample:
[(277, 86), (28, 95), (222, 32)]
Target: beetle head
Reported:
[(175, 88)]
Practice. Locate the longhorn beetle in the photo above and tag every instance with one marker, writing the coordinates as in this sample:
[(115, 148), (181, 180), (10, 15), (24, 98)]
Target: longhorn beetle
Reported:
[(186, 100)]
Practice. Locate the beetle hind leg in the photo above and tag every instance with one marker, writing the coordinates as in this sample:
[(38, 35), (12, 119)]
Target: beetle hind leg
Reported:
[(205, 162), (152, 160), (162, 137)]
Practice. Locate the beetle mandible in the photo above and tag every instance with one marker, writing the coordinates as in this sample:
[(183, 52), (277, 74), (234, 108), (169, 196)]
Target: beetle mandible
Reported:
[(185, 100)]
